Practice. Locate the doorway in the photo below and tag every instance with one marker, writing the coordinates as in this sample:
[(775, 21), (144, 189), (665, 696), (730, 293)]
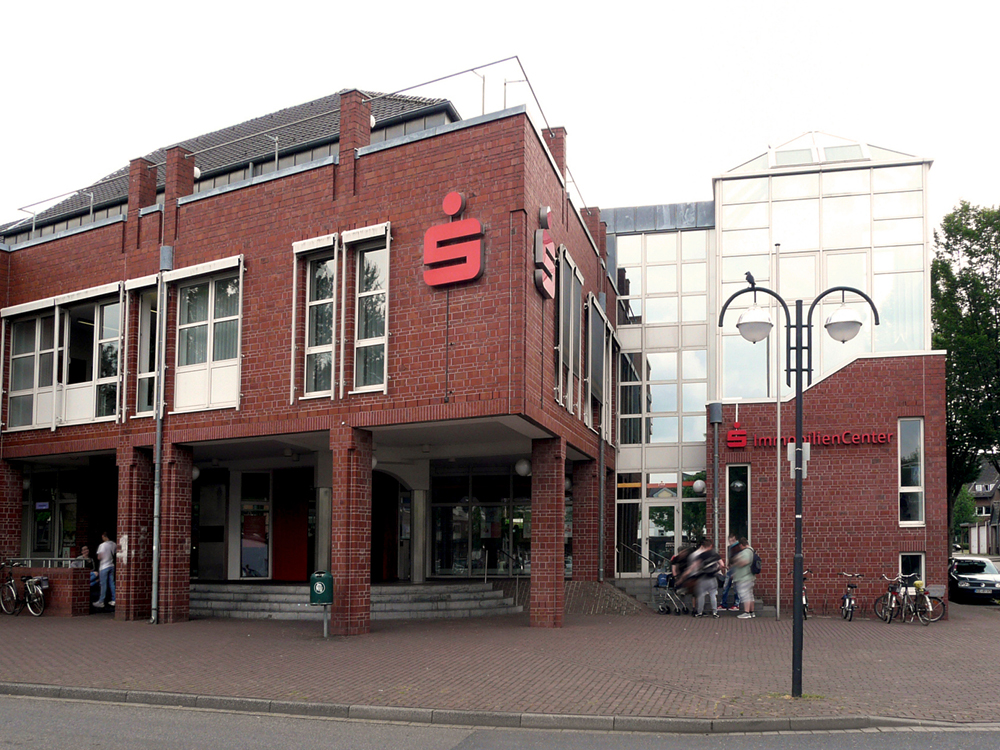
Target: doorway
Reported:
[(661, 521), (386, 492)]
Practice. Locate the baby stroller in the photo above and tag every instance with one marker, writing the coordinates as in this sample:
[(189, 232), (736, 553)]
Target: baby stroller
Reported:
[(666, 598)]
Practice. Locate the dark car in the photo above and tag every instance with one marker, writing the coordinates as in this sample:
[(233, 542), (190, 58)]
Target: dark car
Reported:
[(973, 578)]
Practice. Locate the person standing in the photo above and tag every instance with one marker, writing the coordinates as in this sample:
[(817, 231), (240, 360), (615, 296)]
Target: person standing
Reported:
[(731, 549), (743, 578), (709, 564), (106, 560)]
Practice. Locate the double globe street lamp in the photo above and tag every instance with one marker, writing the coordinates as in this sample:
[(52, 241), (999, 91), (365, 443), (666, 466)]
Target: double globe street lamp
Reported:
[(755, 325)]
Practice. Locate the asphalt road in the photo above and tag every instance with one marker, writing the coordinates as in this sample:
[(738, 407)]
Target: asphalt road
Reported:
[(77, 725)]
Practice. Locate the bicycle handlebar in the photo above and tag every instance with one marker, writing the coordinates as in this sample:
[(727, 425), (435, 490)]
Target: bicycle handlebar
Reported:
[(853, 575)]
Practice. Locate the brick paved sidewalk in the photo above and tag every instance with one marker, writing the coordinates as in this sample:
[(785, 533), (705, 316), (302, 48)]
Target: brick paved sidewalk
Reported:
[(642, 666)]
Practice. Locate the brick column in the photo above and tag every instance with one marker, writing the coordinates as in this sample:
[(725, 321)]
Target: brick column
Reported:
[(548, 514), (175, 535), (141, 193), (179, 183), (355, 132), (134, 570), (11, 493), (352, 528), (555, 139), (610, 522), (586, 502)]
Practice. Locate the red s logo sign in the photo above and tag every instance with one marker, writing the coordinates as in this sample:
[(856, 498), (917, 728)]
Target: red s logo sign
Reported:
[(453, 252)]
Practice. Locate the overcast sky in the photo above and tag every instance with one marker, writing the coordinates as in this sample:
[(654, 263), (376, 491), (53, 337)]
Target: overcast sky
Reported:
[(657, 98)]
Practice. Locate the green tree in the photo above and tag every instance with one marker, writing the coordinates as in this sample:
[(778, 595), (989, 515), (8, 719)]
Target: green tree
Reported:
[(965, 312), (963, 512)]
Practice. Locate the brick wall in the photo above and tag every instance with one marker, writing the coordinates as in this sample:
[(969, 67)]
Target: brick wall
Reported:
[(68, 594), (548, 511), (850, 496)]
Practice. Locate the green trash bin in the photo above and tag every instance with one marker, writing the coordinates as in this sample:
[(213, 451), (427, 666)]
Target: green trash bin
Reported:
[(320, 588)]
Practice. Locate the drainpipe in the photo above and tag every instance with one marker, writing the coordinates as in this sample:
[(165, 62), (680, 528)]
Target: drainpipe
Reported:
[(166, 264), (601, 479), (715, 419)]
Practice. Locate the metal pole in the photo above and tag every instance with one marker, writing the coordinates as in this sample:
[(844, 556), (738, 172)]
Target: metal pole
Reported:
[(797, 569)]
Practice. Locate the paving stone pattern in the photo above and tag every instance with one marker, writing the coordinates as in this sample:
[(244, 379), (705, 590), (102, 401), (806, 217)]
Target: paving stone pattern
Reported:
[(599, 665)]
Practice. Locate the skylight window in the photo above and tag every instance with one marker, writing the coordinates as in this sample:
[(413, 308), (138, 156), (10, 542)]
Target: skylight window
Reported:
[(793, 156), (843, 153)]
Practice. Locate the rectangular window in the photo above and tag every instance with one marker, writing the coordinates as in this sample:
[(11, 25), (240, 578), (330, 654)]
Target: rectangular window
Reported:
[(738, 495), (208, 344), (31, 360), (911, 563), (321, 299), (108, 333), (370, 325), (911, 472), (570, 331), (146, 379)]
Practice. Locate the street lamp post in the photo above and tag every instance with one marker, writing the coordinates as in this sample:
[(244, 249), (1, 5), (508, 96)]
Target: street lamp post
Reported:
[(755, 325)]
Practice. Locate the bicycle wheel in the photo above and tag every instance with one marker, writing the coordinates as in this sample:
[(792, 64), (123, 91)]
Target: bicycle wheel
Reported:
[(35, 599), (878, 606), (936, 608), (805, 608), (923, 608), (8, 597), (851, 604)]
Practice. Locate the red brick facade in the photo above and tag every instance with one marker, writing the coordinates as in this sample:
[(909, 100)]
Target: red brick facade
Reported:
[(851, 492), (457, 353)]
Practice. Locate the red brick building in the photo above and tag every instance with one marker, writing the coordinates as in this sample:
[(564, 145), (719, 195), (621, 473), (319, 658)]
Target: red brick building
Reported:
[(875, 487), (341, 355)]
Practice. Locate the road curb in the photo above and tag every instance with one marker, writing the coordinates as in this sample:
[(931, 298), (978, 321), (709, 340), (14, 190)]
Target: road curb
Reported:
[(454, 717)]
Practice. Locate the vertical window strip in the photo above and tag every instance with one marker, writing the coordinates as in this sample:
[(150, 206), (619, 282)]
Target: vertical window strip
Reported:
[(911, 471)]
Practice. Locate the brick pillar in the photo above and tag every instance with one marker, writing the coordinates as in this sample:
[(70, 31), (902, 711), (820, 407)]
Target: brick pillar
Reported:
[(586, 504), (355, 132), (179, 183), (134, 571), (11, 493), (555, 139), (610, 522), (548, 516), (141, 193), (351, 550), (175, 535)]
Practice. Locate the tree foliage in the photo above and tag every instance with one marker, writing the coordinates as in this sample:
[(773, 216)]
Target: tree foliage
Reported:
[(965, 310), (964, 510)]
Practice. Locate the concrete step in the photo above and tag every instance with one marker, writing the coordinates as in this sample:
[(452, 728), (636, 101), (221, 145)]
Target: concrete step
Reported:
[(388, 602)]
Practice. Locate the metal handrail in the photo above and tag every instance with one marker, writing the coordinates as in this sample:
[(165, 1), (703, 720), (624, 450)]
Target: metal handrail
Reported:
[(47, 562), (622, 546), (517, 575)]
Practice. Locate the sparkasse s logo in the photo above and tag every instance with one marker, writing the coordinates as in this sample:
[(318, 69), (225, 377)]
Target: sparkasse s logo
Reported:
[(453, 252)]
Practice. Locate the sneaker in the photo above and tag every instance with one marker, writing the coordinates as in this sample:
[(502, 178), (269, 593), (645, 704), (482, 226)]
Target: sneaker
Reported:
[(715, 615), (699, 614), (112, 602), (744, 616), (735, 608), (721, 606), (753, 614), (99, 605)]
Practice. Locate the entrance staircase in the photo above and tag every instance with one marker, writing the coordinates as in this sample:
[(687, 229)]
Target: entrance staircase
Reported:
[(265, 601)]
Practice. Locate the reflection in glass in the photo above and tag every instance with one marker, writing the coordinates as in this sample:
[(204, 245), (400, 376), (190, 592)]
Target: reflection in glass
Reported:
[(694, 308), (745, 242), (661, 485), (693, 521), (663, 430), (695, 396), (835, 353), (628, 536), (631, 399), (893, 205), (735, 269), (192, 345), (695, 429), (795, 224), (321, 273), (744, 216), (793, 156), (906, 258), (888, 179), (846, 221), (662, 397), (695, 363), (629, 249), (847, 269), (847, 181), (744, 191), (629, 312), (898, 231), (694, 277), (791, 186), (23, 335), (797, 276), (320, 324), (109, 321), (744, 368), (899, 298), (662, 365), (227, 297), (694, 245), (910, 453), (107, 399), (194, 304), (738, 498), (630, 367), (661, 279), (319, 369), (370, 365), (661, 310), (661, 248), (911, 507), (374, 271), (661, 539), (629, 280), (225, 341), (630, 429)]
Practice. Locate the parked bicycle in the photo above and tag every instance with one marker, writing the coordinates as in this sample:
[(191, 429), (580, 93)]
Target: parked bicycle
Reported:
[(11, 602), (849, 602), (898, 603), (805, 594)]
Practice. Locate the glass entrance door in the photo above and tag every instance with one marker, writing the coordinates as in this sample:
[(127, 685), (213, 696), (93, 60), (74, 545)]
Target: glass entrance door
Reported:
[(661, 522)]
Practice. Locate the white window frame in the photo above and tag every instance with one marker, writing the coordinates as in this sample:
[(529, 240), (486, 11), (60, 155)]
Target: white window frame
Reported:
[(214, 371), (36, 392), (899, 473), (570, 393), (595, 312), (923, 565), (147, 341), (314, 249), (749, 468), (369, 239), (310, 305), (99, 344)]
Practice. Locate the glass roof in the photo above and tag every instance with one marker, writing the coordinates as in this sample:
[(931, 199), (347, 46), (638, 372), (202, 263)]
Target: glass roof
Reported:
[(818, 148)]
